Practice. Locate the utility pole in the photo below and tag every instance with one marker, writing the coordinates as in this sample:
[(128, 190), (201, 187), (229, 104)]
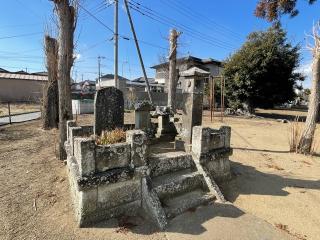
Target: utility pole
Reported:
[(116, 42), (99, 70), (138, 50), (172, 88)]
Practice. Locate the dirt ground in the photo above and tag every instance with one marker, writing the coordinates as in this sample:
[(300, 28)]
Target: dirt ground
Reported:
[(269, 182), (16, 108)]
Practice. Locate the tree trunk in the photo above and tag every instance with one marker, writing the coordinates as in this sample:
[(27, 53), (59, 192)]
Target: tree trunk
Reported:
[(307, 137), (67, 22), (50, 109), (172, 86)]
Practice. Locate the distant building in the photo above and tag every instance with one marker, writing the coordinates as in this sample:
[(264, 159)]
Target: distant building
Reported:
[(136, 85), (154, 86), (108, 81), (21, 86), (83, 90), (162, 70)]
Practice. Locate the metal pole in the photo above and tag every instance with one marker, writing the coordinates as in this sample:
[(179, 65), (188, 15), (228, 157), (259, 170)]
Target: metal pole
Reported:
[(9, 110), (223, 89), (138, 49), (221, 97), (99, 71), (211, 94), (116, 38)]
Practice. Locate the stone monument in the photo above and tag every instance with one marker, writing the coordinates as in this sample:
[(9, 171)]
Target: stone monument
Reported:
[(108, 110)]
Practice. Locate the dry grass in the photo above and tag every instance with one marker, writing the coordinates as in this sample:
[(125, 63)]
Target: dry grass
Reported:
[(295, 131), (17, 108), (110, 137)]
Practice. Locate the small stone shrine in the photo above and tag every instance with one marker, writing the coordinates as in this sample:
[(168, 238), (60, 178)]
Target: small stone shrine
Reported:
[(138, 177)]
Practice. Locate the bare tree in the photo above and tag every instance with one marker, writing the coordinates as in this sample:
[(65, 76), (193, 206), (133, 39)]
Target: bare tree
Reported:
[(307, 137), (172, 83), (50, 109), (66, 11)]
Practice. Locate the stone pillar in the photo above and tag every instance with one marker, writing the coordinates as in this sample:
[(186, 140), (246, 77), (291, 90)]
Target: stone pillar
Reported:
[(108, 110), (142, 115), (138, 141), (192, 106)]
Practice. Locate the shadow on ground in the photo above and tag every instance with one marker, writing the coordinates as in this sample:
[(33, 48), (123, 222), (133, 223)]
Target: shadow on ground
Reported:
[(281, 116), (261, 150), (181, 224), (248, 180)]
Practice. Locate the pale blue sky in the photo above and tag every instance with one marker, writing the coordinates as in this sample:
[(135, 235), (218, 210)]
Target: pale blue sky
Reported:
[(211, 28)]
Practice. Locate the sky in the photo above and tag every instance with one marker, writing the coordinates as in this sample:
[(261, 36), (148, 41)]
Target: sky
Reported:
[(210, 29)]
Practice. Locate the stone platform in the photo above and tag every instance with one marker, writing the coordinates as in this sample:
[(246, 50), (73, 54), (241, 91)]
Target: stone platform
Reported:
[(132, 179)]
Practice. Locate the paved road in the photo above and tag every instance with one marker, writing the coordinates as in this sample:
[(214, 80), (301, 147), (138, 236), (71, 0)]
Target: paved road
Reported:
[(20, 118)]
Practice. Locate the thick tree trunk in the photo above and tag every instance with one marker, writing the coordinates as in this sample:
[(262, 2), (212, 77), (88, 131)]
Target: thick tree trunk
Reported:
[(172, 88), (50, 109), (307, 137), (66, 18)]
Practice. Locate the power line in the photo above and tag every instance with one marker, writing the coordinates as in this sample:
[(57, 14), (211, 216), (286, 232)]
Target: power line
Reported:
[(97, 19), (169, 20), (191, 32), (21, 35), (120, 35), (187, 31), (188, 12)]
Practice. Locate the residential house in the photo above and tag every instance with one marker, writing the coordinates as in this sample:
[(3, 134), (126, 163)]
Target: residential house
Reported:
[(162, 70), (108, 81), (154, 86), (21, 86), (136, 85), (83, 90)]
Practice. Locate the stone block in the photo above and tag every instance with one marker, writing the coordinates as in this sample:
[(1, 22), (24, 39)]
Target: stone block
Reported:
[(88, 201), (205, 140), (112, 156), (129, 209), (84, 153), (227, 135), (151, 204), (138, 142), (108, 110), (219, 168), (83, 131), (70, 123), (118, 194)]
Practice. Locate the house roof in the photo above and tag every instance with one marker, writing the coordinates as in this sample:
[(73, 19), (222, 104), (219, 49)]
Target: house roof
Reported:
[(191, 59), (141, 80), (111, 76), (22, 76), (195, 71), (40, 73), (142, 84)]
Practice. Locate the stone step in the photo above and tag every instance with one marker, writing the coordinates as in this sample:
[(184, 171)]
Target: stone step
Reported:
[(164, 163), (187, 201), (176, 183)]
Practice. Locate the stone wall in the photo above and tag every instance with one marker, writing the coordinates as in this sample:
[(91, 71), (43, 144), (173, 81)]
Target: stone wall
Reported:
[(211, 149)]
